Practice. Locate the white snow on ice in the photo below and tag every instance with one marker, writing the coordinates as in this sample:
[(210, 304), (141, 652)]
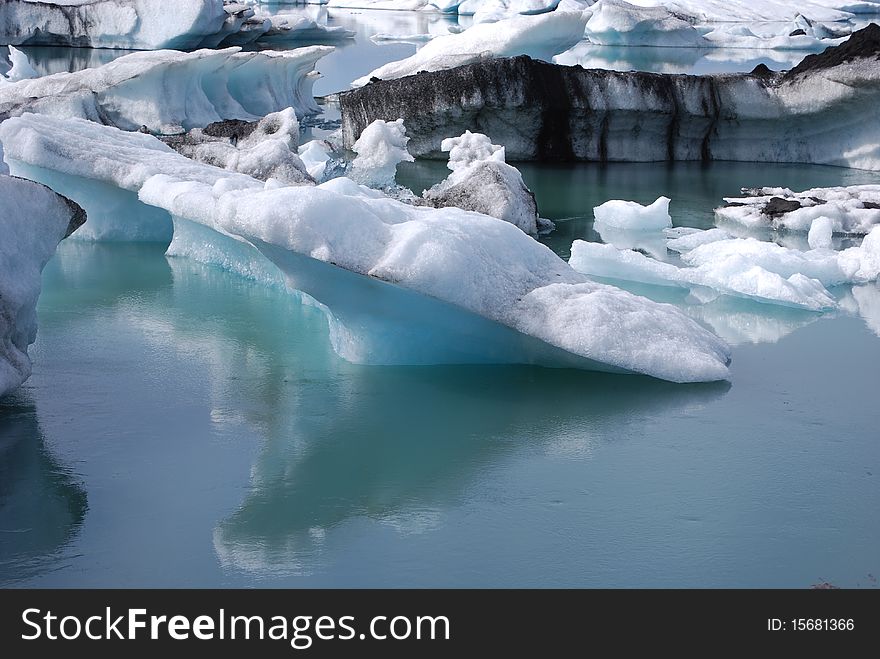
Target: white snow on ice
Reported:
[(481, 268)]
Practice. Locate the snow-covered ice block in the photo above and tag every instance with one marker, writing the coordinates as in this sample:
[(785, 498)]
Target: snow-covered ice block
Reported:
[(380, 148), (728, 276), (136, 24), (33, 220), (540, 36), (171, 92), (400, 283), (852, 209), (482, 181), (855, 265), (632, 216)]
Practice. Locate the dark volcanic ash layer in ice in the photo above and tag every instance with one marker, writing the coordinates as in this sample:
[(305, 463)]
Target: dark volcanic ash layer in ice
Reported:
[(823, 111)]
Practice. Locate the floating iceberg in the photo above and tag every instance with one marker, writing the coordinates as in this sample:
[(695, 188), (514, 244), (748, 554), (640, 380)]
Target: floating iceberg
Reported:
[(20, 67), (380, 148), (819, 112), (71, 163), (483, 182), (853, 209), (137, 24), (855, 265), (539, 36), (731, 275), (171, 92), (33, 220), (632, 216), (399, 283)]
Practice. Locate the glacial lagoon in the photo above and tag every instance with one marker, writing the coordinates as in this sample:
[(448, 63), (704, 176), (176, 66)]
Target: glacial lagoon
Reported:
[(186, 427)]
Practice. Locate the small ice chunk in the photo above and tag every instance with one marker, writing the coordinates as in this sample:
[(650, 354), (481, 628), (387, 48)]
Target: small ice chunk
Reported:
[(21, 67), (632, 216), (469, 148), (731, 275), (821, 232), (482, 182), (315, 156), (380, 148)]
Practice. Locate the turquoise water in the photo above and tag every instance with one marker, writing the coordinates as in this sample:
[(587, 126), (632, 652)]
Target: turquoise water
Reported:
[(185, 427)]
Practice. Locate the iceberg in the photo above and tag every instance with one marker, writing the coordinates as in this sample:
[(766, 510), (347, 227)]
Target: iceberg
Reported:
[(20, 67), (728, 276), (380, 148), (135, 24), (853, 210), (483, 182), (148, 24), (170, 92), (819, 112), (632, 216), (540, 36), (399, 283), (33, 220)]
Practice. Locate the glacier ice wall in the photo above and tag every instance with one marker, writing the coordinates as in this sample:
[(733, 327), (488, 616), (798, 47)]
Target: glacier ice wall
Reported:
[(823, 111), (399, 283), (33, 220), (170, 92)]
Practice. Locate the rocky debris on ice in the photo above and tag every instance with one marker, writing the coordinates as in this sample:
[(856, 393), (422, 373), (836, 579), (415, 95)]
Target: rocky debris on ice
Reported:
[(823, 113), (731, 275), (149, 25), (170, 92), (853, 210), (460, 285), (540, 36), (380, 148), (33, 220), (264, 149), (483, 182)]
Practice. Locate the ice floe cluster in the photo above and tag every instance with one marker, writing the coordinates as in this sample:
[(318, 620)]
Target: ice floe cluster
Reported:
[(33, 220), (712, 262)]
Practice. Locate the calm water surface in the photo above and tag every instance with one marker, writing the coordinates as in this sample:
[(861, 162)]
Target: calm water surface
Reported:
[(185, 427)]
